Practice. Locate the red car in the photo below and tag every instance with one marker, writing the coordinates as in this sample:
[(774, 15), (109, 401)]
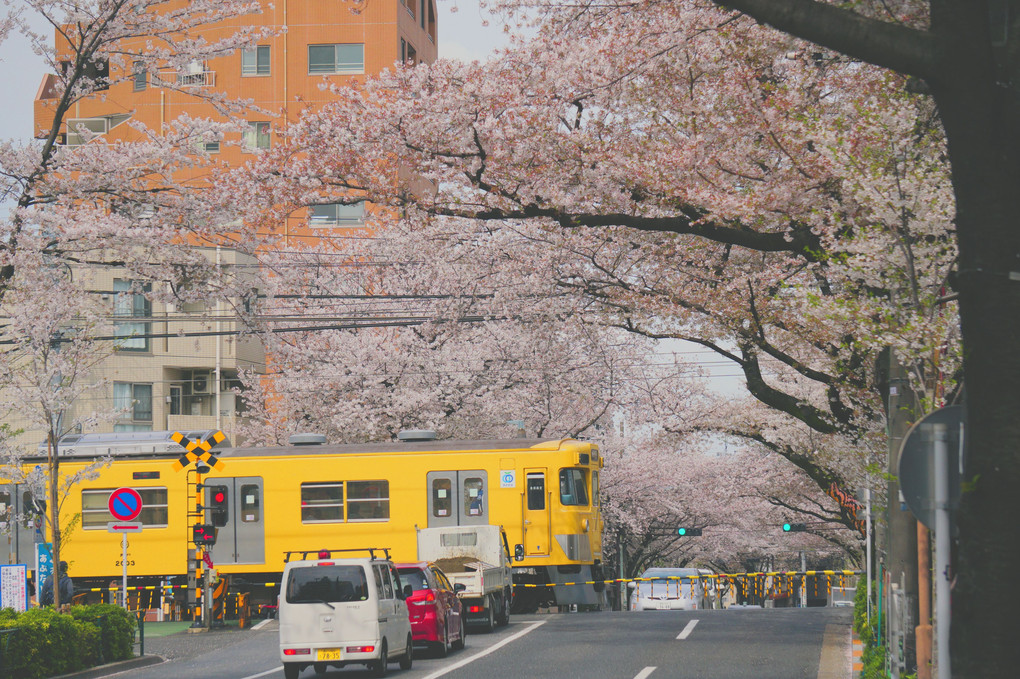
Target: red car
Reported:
[(434, 607)]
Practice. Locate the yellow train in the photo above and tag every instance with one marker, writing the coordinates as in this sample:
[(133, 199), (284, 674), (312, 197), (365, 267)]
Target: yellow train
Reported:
[(545, 493)]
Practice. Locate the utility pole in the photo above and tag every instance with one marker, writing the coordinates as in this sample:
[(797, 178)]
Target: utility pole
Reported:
[(901, 530)]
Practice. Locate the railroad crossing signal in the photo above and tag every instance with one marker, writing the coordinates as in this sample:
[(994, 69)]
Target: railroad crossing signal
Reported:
[(794, 527), (203, 534), (688, 532), (198, 450), (216, 497)]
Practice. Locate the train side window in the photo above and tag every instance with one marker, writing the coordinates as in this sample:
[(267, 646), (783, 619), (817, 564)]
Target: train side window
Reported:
[(442, 497), (368, 500), (595, 488), (573, 489), (536, 491), (474, 496), (251, 507), (95, 510), (322, 502)]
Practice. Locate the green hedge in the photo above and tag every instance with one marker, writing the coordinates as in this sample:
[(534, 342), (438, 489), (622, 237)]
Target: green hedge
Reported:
[(48, 643), (873, 658)]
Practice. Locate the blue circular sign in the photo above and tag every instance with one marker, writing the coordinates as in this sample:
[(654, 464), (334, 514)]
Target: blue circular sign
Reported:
[(125, 504)]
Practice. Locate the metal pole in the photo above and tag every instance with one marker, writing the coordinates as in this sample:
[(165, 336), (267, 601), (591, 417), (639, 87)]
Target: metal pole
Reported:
[(867, 521), (942, 567), (123, 561)]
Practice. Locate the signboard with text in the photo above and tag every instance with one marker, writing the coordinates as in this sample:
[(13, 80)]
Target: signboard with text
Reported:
[(14, 587)]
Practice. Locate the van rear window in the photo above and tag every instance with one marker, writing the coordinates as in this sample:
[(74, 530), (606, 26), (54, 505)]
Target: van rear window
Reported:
[(326, 583)]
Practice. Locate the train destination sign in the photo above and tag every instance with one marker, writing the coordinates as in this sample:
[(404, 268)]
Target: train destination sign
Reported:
[(125, 504)]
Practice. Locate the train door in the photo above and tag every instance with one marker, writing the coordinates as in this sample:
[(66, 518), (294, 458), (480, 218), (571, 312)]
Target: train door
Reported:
[(458, 498), (242, 539), (537, 537)]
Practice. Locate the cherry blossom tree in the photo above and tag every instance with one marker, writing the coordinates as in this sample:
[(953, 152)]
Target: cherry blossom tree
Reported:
[(680, 173), (115, 202)]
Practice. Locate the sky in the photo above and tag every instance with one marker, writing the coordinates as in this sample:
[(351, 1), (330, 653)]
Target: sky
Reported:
[(461, 27)]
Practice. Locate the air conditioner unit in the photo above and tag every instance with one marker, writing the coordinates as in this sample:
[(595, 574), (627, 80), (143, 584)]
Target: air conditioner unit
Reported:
[(201, 382)]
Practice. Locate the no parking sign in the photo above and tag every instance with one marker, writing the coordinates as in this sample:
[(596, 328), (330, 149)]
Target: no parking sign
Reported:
[(125, 504)]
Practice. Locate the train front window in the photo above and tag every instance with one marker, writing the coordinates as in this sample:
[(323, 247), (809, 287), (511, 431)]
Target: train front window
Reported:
[(368, 500), (573, 489), (322, 502)]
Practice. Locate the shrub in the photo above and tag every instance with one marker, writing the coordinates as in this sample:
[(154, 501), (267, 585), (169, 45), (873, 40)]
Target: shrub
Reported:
[(48, 643), (117, 629)]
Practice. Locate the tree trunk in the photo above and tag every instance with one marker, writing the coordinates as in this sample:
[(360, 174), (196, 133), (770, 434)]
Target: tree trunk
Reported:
[(981, 111)]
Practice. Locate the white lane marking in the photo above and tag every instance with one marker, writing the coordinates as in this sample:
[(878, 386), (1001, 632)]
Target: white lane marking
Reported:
[(262, 674), (261, 624), (644, 673), (487, 651), (687, 630)]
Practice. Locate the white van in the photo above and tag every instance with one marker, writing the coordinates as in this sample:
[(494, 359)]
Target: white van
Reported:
[(667, 589), (341, 611)]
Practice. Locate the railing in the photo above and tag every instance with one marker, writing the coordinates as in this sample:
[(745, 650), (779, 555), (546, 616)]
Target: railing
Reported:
[(184, 79)]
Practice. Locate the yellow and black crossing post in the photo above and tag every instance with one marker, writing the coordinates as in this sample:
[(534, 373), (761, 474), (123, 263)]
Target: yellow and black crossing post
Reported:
[(202, 535)]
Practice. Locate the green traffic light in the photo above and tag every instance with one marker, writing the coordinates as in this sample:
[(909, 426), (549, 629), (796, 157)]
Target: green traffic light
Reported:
[(786, 527), (682, 531)]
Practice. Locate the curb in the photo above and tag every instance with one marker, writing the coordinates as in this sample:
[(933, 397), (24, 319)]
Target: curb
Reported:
[(858, 653), (113, 668)]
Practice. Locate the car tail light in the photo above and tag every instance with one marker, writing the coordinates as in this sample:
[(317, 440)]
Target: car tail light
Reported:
[(360, 649), (326, 563), (427, 598), (476, 609), (297, 651)]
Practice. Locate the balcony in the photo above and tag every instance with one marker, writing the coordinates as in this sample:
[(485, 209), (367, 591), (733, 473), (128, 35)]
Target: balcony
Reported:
[(184, 79)]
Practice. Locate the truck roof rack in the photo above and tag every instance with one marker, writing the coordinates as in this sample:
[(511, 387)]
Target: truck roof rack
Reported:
[(328, 553)]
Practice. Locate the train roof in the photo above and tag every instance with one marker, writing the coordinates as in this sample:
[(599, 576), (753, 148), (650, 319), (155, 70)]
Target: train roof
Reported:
[(159, 444), (395, 447)]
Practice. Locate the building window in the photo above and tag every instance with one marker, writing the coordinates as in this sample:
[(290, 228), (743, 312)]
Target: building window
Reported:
[(256, 137), (337, 214), (134, 402), (130, 302), (573, 489), (140, 76), (255, 61), (322, 502), (421, 13), (368, 500), (410, 55), (95, 510), (333, 59)]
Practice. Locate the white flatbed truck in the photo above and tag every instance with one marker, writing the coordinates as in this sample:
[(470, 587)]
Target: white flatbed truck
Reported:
[(477, 557)]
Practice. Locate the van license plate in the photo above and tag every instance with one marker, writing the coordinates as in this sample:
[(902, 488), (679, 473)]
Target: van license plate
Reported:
[(328, 654)]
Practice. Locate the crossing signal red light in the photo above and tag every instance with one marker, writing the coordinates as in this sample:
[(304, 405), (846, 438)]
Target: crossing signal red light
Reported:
[(216, 498)]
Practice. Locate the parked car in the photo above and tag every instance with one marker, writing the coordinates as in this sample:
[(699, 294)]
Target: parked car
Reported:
[(668, 589), (436, 611), (341, 611)]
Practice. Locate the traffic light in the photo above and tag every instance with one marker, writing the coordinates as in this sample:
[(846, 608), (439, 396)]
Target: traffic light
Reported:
[(794, 527), (688, 532), (204, 535), (216, 501)]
